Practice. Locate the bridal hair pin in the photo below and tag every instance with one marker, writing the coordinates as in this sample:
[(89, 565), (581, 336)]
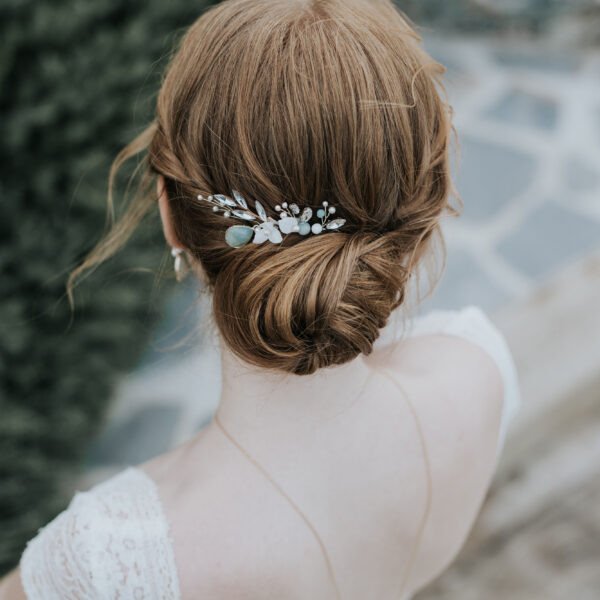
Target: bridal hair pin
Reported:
[(290, 220)]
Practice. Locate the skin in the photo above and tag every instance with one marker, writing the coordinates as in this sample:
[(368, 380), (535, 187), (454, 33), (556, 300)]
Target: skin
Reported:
[(344, 444)]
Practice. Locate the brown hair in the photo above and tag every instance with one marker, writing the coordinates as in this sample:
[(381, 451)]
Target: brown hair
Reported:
[(300, 101)]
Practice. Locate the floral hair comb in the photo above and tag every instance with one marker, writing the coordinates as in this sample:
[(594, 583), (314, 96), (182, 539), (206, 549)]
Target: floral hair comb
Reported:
[(290, 220)]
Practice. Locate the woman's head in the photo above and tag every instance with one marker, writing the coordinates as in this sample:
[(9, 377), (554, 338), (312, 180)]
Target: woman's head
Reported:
[(303, 101)]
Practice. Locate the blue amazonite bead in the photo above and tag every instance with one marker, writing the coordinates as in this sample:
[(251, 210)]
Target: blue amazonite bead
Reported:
[(320, 213), (303, 228), (238, 235)]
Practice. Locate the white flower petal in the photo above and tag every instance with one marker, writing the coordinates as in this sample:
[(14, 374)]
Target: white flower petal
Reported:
[(275, 236), (260, 235), (287, 224)]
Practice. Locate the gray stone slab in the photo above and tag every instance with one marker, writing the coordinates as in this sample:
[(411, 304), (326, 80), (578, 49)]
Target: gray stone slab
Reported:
[(489, 176), (538, 60), (518, 107), (464, 282), (580, 176), (548, 238), (146, 434)]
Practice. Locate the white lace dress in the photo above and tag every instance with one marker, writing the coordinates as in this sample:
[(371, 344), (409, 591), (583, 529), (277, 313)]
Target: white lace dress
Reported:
[(113, 543)]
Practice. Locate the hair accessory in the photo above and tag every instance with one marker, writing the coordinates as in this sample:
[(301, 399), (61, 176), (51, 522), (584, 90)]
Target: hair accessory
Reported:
[(290, 220), (180, 263)]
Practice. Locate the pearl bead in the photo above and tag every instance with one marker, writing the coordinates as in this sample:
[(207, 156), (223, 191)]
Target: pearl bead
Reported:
[(215, 208), (278, 208), (284, 205), (200, 197), (325, 203), (317, 228), (332, 209), (226, 214)]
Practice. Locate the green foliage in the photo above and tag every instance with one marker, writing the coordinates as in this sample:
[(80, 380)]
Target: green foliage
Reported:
[(78, 80)]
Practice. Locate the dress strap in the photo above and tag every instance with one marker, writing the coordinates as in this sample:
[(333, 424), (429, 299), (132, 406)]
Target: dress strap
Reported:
[(427, 463)]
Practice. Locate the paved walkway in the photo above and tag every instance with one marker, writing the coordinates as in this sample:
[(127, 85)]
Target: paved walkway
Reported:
[(529, 168), (537, 536), (529, 176)]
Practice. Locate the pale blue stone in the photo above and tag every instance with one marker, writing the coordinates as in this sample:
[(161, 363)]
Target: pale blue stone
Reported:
[(238, 235), (320, 213), (303, 228)]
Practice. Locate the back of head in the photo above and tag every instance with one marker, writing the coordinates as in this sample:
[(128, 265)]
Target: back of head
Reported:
[(303, 101)]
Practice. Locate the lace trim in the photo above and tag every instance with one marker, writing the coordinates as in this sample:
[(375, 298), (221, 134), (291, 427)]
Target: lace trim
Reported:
[(112, 542)]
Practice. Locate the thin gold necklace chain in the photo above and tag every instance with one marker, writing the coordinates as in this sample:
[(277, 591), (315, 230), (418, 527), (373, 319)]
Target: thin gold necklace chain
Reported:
[(408, 568), (293, 504)]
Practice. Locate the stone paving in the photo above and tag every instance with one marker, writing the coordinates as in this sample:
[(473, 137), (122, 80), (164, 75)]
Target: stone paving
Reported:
[(537, 536), (528, 119)]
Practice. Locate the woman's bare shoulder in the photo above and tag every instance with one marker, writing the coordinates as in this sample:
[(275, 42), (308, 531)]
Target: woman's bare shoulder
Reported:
[(457, 392), (455, 386)]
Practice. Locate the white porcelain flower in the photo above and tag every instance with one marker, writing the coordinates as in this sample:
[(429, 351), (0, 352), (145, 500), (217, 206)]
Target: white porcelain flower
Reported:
[(267, 231), (288, 224)]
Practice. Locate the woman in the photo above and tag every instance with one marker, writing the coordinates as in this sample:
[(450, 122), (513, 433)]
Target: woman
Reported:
[(300, 149)]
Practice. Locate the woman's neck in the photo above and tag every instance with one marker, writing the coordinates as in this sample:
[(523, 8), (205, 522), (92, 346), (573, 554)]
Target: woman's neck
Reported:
[(256, 399)]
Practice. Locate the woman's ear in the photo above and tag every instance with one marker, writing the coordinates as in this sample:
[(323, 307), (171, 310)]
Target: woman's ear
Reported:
[(168, 230), (165, 214)]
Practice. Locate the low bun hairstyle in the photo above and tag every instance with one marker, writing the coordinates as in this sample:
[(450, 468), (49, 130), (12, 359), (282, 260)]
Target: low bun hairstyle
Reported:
[(301, 101)]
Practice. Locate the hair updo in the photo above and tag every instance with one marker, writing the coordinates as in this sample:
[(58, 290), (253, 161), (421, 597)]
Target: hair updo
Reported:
[(301, 101)]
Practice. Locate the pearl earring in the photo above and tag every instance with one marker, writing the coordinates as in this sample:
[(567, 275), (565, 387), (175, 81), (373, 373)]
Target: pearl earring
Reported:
[(180, 263)]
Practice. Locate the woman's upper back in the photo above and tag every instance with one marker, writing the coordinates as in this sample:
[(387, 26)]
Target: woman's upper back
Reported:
[(376, 503)]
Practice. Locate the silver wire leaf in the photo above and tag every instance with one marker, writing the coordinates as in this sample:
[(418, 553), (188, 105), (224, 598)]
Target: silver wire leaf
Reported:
[(240, 214), (335, 224), (261, 211), (239, 199), (224, 200), (306, 214)]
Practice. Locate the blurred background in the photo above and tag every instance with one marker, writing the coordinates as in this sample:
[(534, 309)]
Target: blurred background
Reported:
[(134, 370)]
